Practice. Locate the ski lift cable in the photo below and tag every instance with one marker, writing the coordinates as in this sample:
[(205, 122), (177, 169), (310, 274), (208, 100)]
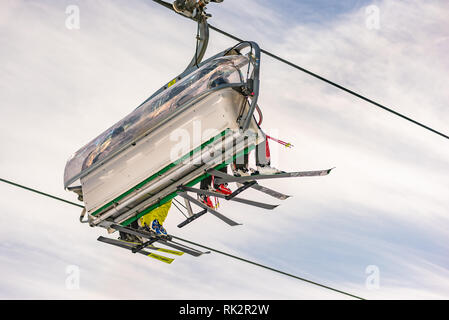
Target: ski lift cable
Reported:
[(269, 268), (40, 192), (332, 83), (199, 245)]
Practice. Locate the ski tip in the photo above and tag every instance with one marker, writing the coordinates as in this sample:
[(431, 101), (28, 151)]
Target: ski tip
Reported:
[(282, 197), (236, 224), (329, 171)]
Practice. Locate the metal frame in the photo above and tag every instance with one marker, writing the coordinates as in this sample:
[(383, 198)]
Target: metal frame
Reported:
[(236, 199), (210, 160)]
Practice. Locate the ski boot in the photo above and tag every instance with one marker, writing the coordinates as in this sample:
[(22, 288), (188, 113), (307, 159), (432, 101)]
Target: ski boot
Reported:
[(157, 228), (206, 200), (223, 189), (240, 171), (267, 169)]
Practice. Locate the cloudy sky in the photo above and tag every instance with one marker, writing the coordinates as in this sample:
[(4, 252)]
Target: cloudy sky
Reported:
[(384, 207)]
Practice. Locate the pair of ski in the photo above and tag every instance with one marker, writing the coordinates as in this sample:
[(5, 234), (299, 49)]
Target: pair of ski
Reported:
[(244, 182), (137, 247)]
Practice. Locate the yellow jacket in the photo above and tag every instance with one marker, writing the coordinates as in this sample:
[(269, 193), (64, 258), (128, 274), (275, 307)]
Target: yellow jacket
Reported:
[(160, 213)]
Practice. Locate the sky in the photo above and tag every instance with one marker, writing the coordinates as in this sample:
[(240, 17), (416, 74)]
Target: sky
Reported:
[(375, 227)]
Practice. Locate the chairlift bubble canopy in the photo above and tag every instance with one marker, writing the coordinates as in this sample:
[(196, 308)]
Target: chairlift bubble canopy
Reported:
[(214, 74)]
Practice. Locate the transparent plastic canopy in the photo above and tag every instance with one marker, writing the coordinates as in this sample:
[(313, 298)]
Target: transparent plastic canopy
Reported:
[(220, 71)]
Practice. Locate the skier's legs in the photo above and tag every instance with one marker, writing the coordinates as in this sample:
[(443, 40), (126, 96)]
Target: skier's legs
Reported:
[(156, 217), (263, 157), (263, 153), (207, 182), (128, 237), (241, 163)]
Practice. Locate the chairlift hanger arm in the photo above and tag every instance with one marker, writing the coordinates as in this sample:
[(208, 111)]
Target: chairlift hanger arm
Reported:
[(192, 9), (202, 42), (195, 10)]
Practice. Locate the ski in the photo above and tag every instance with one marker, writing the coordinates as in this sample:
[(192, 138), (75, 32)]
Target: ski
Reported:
[(272, 176), (270, 192), (236, 199), (212, 211), (130, 247), (151, 247), (165, 240), (184, 248), (256, 186), (174, 252), (240, 189)]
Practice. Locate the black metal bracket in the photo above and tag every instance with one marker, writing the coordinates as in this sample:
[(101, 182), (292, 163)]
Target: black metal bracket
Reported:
[(143, 245), (192, 218)]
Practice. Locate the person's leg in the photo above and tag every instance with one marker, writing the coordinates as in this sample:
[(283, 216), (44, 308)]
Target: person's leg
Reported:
[(205, 183), (223, 187), (263, 158), (263, 154), (156, 217), (129, 237), (240, 164)]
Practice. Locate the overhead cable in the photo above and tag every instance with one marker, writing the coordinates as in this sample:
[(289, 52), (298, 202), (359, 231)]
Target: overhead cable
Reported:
[(197, 244), (313, 74)]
